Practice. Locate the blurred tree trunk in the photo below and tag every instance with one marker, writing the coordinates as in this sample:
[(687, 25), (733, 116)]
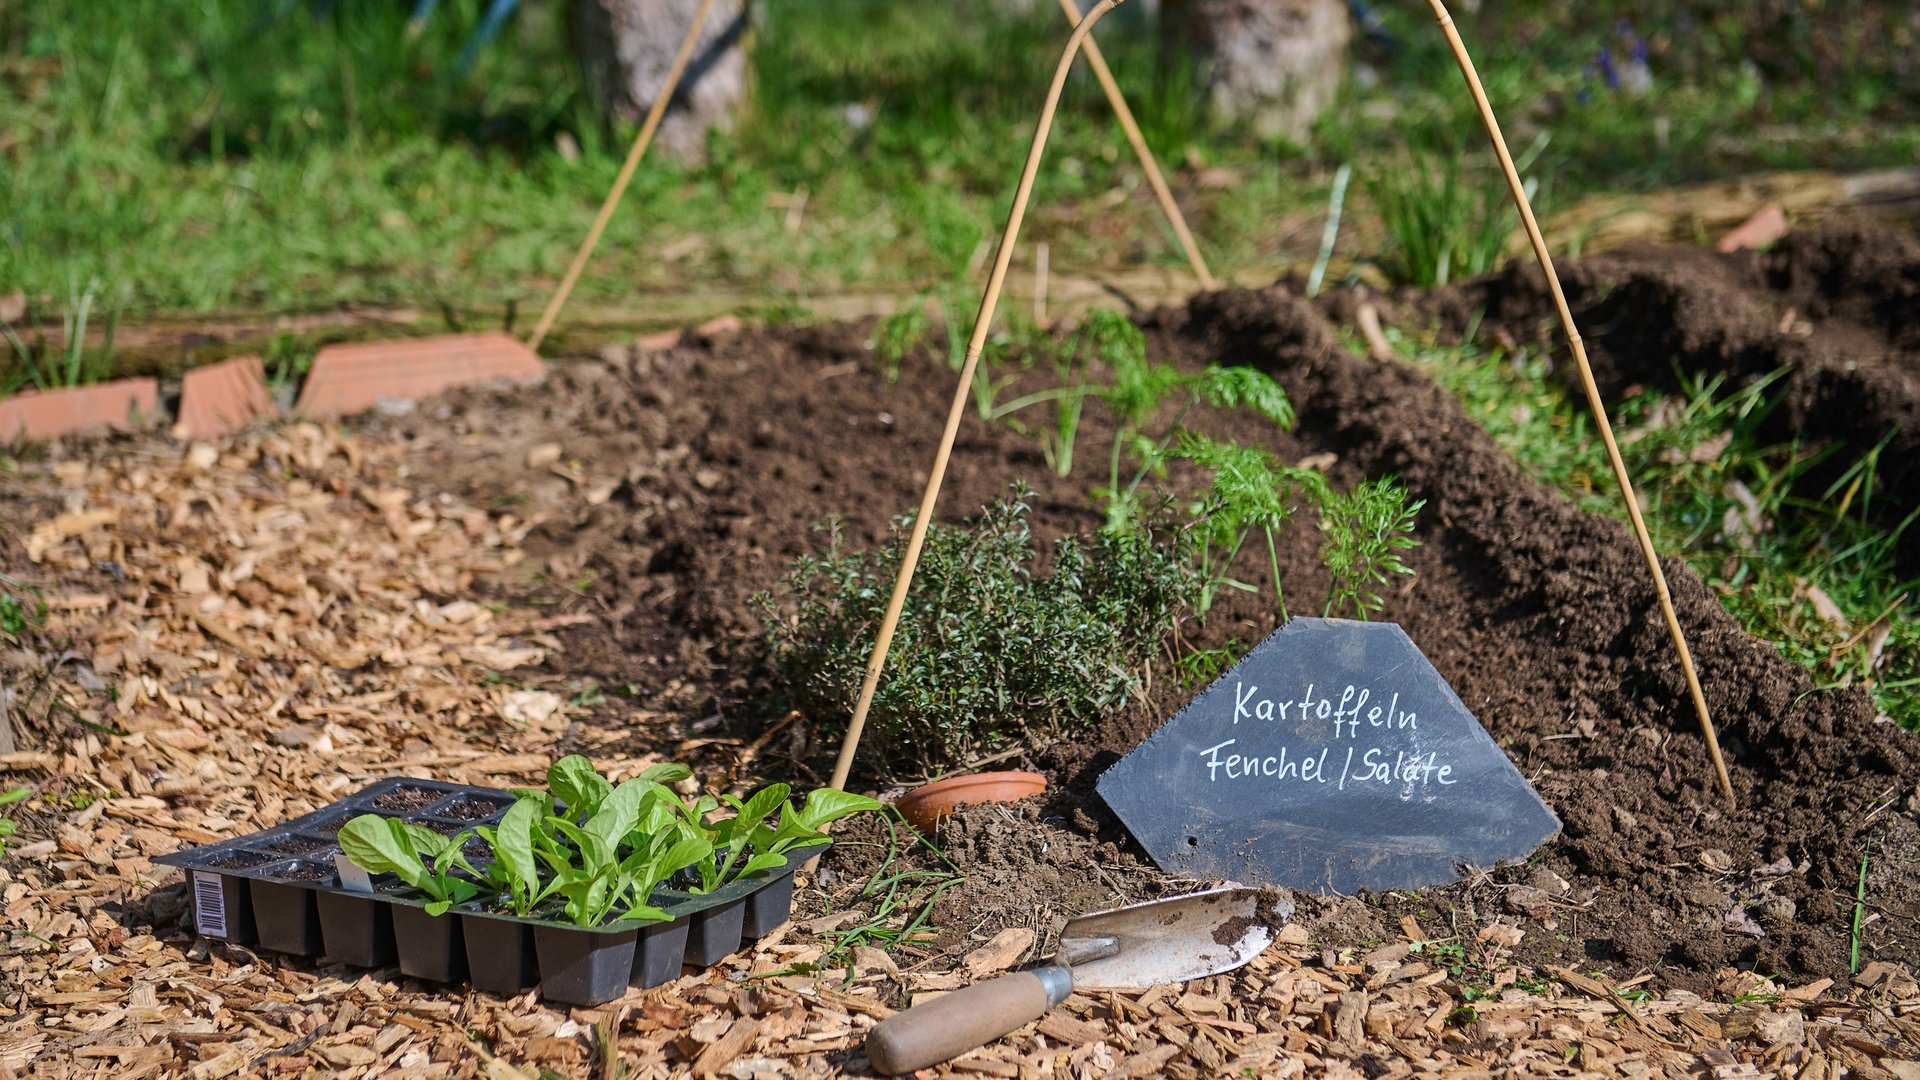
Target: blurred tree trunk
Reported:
[(1272, 63), (626, 47)]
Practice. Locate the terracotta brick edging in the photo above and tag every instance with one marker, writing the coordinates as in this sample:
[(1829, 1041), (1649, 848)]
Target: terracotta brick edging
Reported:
[(48, 414), (223, 397), (350, 378)]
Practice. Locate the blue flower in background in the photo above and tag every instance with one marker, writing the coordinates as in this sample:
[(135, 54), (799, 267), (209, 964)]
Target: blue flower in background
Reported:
[(1631, 74)]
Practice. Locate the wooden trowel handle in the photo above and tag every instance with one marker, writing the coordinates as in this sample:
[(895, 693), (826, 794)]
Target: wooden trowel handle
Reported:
[(952, 1024)]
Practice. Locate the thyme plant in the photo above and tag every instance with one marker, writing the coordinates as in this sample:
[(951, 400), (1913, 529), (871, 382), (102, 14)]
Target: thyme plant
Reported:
[(989, 651)]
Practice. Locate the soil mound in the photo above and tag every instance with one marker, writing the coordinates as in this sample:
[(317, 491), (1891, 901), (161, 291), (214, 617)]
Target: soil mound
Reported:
[(1837, 306)]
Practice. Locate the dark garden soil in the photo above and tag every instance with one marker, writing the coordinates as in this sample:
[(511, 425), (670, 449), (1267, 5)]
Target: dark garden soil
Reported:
[(683, 482), (402, 800), (1838, 307)]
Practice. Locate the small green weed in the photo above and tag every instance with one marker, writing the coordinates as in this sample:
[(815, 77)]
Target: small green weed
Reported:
[(1859, 912), (1366, 529), (1251, 492), (18, 613), (1106, 337), (7, 827), (987, 651), (1202, 666), (902, 899), (45, 366)]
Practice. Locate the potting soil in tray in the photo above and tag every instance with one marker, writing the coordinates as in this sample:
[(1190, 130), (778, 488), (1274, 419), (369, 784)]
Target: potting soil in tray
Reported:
[(276, 889)]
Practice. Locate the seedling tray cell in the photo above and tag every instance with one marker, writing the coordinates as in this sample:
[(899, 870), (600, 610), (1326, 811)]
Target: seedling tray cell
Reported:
[(222, 907), (713, 933), (660, 953), (584, 966), (431, 947), (443, 826), (768, 908), (471, 809), (357, 930), (500, 953), (285, 913), (301, 844)]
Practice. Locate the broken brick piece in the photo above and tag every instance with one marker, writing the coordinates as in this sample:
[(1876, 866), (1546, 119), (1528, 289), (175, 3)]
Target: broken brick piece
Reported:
[(223, 397), (347, 379), (48, 414)]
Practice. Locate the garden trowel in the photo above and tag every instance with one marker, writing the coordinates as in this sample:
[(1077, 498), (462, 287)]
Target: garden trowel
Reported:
[(1129, 948)]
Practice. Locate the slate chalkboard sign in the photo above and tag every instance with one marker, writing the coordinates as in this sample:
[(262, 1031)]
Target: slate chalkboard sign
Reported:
[(1332, 758)]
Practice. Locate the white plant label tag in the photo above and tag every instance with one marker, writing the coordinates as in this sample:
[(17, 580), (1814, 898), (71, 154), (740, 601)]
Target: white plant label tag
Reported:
[(352, 877)]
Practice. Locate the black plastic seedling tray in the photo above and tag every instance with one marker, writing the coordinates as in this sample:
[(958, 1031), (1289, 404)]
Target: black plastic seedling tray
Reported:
[(277, 889)]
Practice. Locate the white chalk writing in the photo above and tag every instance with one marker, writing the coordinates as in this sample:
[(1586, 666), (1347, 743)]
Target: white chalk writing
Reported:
[(1352, 721)]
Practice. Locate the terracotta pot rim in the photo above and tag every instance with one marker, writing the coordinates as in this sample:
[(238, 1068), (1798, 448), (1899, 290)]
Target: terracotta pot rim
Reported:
[(927, 804), (950, 783)]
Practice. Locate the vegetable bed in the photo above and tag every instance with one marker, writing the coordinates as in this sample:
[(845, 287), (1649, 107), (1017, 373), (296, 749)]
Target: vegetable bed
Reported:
[(497, 580)]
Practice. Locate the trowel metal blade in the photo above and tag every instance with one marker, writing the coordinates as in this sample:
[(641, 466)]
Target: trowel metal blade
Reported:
[(1172, 940)]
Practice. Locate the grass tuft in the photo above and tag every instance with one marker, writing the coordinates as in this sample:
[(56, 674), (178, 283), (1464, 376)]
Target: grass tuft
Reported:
[(1809, 571)]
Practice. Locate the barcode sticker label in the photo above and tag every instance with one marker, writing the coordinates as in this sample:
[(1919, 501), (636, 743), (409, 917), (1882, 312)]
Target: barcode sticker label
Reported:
[(209, 904)]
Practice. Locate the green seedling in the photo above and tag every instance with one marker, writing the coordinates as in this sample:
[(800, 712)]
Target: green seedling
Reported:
[(1859, 913), (1365, 531), (418, 856), (1105, 336), (1251, 491), (513, 877), (581, 842), (587, 847), (752, 839), (1140, 389), (1202, 666)]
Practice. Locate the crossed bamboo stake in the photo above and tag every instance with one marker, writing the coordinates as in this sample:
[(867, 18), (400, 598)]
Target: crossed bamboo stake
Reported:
[(962, 392), (1594, 403), (1147, 165)]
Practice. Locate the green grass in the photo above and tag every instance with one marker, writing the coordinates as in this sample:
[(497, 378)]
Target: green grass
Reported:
[(209, 155), (1727, 500)]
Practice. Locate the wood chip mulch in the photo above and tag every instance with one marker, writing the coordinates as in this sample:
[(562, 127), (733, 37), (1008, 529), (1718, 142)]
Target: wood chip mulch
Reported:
[(244, 631)]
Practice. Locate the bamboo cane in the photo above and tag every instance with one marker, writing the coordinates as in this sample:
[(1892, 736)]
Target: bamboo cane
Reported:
[(961, 395), (612, 201), (1147, 164), (1592, 388)]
